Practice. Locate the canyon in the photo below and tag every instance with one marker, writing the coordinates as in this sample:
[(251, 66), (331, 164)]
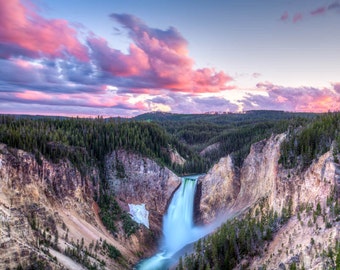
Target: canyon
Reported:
[(44, 202)]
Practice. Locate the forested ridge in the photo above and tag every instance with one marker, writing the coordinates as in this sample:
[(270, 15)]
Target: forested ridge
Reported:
[(87, 141), (305, 144), (231, 133)]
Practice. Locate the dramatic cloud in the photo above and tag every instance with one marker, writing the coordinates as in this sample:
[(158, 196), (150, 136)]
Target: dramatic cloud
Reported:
[(117, 63), (44, 63), (303, 99), (47, 76), (46, 69), (158, 59), (25, 32)]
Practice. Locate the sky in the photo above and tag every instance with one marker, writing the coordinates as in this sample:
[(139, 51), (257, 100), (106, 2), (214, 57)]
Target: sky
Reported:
[(123, 58)]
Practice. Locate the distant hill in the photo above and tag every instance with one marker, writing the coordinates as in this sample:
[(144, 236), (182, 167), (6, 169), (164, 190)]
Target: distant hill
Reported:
[(233, 133), (257, 115)]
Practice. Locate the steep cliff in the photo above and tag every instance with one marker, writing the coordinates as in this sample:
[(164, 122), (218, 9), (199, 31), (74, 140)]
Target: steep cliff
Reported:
[(138, 180), (313, 229), (259, 172), (47, 211), (218, 190), (49, 219), (227, 189), (307, 198)]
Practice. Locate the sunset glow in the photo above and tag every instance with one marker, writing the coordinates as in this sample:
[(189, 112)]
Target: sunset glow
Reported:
[(125, 59)]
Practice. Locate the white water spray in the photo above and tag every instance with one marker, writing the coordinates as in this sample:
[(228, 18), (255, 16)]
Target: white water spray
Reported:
[(178, 221), (178, 227)]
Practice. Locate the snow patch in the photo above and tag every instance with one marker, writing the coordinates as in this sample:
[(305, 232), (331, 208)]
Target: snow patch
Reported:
[(0, 163), (139, 214)]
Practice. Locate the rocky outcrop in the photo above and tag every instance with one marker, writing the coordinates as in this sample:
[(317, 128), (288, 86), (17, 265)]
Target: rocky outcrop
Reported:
[(307, 234), (138, 180), (46, 209), (218, 190), (175, 157), (259, 172), (225, 189), (210, 148)]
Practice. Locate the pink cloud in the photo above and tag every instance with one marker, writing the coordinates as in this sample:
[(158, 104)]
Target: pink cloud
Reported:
[(302, 99), (24, 30), (281, 99), (337, 87), (318, 11), (107, 101), (284, 16), (297, 17), (33, 95), (157, 59), (117, 63), (315, 12), (98, 77), (101, 100), (322, 103), (22, 63)]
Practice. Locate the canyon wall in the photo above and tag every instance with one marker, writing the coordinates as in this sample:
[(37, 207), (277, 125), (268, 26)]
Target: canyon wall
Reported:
[(261, 177), (45, 209), (134, 179), (228, 190), (49, 219), (217, 191)]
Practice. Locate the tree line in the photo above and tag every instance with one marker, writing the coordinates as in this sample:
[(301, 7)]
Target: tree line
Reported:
[(309, 142), (88, 141), (232, 133)]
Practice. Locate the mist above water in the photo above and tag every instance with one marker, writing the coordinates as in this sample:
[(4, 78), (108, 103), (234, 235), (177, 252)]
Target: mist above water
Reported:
[(178, 227)]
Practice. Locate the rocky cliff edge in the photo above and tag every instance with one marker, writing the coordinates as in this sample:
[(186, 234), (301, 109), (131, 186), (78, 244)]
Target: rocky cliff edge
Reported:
[(308, 235)]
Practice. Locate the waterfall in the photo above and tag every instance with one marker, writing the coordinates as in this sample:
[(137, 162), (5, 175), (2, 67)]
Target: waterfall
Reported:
[(178, 222), (178, 226)]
